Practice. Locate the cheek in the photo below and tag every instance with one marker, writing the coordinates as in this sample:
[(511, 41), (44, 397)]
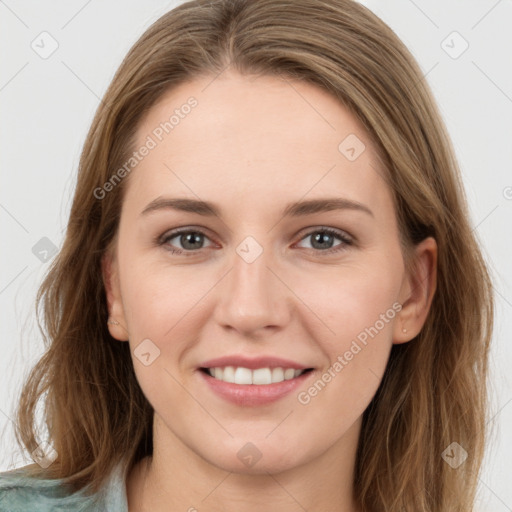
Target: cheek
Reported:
[(157, 296), (166, 305), (352, 299), (359, 308)]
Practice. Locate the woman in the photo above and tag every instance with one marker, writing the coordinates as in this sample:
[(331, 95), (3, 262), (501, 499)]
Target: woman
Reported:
[(206, 350)]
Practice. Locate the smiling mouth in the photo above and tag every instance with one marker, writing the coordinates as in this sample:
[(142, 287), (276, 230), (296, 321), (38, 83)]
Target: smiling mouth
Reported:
[(258, 377)]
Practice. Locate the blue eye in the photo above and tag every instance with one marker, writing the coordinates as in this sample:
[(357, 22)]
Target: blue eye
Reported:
[(192, 240)]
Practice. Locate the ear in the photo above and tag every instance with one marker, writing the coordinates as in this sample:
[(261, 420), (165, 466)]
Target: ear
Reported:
[(417, 292), (110, 274)]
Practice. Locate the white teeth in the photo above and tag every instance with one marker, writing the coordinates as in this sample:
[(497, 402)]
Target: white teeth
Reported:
[(289, 373), (228, 376), (243, 376), (261, 376), (277, 374)]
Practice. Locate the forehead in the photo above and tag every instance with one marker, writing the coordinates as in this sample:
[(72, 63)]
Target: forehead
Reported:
[(265, 137)]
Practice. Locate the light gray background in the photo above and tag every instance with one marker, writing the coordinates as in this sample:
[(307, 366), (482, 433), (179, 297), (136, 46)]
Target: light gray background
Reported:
[(47, 105)]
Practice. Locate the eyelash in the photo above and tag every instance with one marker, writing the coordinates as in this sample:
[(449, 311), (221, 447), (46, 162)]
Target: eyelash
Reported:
[(163, 239)]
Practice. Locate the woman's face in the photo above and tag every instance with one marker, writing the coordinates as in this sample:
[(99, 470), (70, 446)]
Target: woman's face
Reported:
[(256, 279)]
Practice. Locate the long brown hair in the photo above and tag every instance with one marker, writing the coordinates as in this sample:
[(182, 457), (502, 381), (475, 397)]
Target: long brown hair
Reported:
[(434, 391)]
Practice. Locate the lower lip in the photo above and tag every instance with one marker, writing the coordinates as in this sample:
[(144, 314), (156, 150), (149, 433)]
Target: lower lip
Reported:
[(254, 394)]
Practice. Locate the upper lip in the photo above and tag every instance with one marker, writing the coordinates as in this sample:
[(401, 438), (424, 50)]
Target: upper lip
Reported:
[(252, 363)]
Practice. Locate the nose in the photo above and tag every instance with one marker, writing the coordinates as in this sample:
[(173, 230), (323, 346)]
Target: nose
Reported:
[(253, 298)]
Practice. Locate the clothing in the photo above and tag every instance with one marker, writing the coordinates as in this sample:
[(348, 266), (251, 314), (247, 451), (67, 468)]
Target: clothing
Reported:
[(20, 493)]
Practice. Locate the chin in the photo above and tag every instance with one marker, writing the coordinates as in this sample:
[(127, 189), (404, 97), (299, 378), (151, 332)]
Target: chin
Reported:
[(255, 457)]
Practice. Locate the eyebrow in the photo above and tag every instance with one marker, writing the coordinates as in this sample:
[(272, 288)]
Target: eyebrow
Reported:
[(296, 209)]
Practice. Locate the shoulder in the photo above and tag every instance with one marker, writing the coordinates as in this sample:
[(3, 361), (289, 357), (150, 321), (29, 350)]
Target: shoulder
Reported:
[(20, 492)]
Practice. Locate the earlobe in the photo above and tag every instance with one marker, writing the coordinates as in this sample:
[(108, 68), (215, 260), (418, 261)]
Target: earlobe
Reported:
[(417, 292), (116, 320)]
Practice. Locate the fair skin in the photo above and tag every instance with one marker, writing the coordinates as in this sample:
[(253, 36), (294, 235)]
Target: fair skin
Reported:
[(252, 146)]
